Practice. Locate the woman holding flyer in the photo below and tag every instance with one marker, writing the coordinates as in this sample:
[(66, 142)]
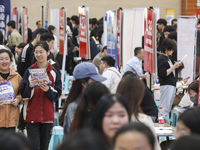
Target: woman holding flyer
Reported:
[(41, 86), (10, 98), (166, 74)]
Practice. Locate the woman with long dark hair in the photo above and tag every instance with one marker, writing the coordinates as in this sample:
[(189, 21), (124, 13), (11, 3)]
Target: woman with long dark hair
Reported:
[(83, 114), (84, 73), (110, 114)]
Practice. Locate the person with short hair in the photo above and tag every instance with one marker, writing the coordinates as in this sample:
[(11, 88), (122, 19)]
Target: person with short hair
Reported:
[(167, 30), (15, 38), (161, 26), (134, 64), (166, 74), (107, 67), (39, 25), (173, 22), (25, 59)]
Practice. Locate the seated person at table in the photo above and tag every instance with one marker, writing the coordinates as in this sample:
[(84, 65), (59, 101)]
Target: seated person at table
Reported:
[(193, 90)]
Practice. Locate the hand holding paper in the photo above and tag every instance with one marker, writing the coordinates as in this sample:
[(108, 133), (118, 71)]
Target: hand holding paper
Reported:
[(183, 58)]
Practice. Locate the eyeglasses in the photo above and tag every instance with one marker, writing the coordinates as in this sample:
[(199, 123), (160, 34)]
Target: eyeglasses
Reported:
[(39, 52)]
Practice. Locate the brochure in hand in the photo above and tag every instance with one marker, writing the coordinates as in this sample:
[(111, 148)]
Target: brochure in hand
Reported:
[(6, 93), (40, 75)]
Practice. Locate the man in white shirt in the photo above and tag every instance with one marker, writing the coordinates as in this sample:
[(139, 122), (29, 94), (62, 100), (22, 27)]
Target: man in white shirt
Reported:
[(110, 72), (134, 64)]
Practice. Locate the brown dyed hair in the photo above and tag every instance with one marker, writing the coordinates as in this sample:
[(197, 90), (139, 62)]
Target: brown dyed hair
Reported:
[(194, 86), (132, 88)]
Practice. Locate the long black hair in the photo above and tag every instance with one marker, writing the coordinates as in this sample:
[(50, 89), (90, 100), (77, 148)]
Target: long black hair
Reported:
[(74, 93), (91, 95), (102, 107)]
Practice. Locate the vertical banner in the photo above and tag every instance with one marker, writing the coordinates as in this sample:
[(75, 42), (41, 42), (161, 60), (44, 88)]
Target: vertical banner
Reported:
[(61, 30), (112, 34), (199, 88), (104, 36), (15, 17), (84, 44), (186, 45), (198, 17), (148, 40), (62, 39), (119, 34), (169, 15), (4, 16), (24, 20)]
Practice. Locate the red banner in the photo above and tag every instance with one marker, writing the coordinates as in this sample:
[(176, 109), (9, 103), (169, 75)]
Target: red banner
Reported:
[(198, 17), (82, 36), (61, 31), (119, 21), (148, 40), (15, 17)]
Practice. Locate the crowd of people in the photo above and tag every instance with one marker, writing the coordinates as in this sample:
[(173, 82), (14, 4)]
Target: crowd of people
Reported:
[(105, 108)]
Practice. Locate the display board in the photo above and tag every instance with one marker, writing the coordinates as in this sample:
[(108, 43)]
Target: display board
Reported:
[(186, 44)]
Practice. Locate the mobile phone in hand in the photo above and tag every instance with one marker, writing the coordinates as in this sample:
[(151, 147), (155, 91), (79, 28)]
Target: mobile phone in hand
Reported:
[(187, 78)]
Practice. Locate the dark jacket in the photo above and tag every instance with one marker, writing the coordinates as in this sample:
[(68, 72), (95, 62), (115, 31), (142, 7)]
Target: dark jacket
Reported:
[(25, 59), (163, 65), (148, 104), (38, 105)]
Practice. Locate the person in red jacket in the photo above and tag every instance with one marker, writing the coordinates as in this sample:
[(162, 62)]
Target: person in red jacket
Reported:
[(39, 97)]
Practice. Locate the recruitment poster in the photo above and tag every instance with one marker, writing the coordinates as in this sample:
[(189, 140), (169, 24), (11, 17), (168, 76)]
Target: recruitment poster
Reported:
[(24, 24), (169, 15), (148, 40), (84, 44), (119, 44), (4, 16), (112, 34)]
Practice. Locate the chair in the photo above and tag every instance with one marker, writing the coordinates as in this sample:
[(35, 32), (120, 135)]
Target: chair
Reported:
[(174, 117), (56, 120), (56, 138)]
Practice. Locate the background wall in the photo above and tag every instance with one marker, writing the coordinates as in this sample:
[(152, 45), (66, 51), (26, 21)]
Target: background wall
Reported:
[(97, 8)]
